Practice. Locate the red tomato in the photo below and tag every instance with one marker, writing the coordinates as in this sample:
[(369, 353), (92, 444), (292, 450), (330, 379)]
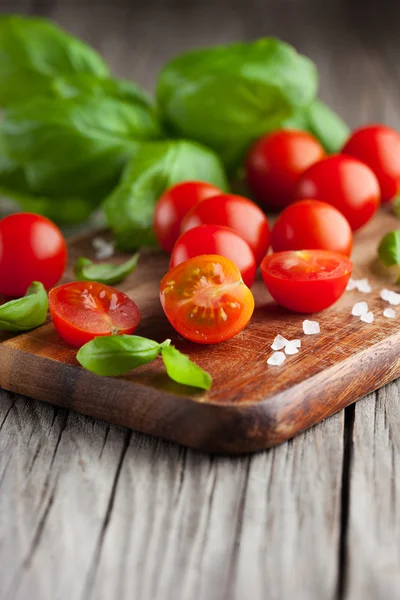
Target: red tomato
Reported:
[(346, 183), (32, 248), (310, 224), (173, 205), (307, 280), (205, 299), (379, 148), (275, 163), (214, 239), (83, 310), (236, 212)]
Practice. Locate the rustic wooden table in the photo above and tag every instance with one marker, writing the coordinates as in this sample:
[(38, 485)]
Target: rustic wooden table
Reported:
[(93, 511)]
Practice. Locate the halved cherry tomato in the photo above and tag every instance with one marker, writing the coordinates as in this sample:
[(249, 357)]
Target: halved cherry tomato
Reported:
[(307, 280), (310, 224), (275, 163), (378, 147), (344, 182), (83, 310), (32, 248), (236, 212), (173, 205), (205, 299), (214, 239)]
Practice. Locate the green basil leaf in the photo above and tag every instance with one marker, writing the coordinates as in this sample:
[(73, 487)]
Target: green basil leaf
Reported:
[(153, 168), (110, 274), (33, 51), (182, 370), (227, 96), (75, 147), (117, 354), (389, 249), (27, 312)]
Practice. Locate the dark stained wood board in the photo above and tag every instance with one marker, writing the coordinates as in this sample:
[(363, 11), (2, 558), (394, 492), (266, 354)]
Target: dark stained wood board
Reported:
[(251, 405)]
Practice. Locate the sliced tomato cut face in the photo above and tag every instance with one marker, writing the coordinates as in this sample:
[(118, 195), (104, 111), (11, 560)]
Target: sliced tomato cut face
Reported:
[(83, 310), (307, 280), (205, 299)]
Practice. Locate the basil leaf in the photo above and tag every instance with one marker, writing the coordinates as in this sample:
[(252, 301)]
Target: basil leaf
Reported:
[(227, 96), (389, 249), (182, 370), (110, 274), (33, 51), (27, 312), (117, 354), (153, 168)]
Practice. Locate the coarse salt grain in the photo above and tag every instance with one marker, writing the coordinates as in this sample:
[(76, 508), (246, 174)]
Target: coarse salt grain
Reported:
[(390, 296), (359, 309), (389, 313), (279, 342), (352, 285), (276, 359), (103, 249), (364, 286), (291, 348), (367, 318), (385, 294), (311, 327), (296, 343)]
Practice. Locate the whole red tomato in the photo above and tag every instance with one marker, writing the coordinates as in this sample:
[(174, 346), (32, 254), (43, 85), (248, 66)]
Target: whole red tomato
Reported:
[(236, 212), (275, 163), (311, 224), (173, 205), (214, 239), (346, 183), (32, 248), (379, 148)]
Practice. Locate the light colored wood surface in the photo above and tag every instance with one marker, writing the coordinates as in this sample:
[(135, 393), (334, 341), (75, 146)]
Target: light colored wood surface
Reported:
[(89, 511)]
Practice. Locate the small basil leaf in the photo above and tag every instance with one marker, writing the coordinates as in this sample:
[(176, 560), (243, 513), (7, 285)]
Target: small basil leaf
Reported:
[(117, 354), (27, 312), (110, 274), (182, 370), (389, 249)]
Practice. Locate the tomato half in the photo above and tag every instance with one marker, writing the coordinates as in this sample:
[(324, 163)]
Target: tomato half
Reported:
[(275, 163), (83, 310), (344, 182), (32, 248), (307, 280), (214, 239), (310, 224), (173, 205), (236, 212), (378, 147), (205, 299)]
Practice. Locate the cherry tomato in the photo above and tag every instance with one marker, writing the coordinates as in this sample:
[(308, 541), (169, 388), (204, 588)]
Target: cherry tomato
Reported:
[(83, 310), (236, 212), (347, 184), (310, 224), (275, 163), (306, 280), (379, 148), (215, 239), (205, 299), (32, 248), (173, 205)]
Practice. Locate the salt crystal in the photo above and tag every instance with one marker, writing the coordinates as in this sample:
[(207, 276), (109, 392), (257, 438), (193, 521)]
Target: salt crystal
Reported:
[(385, 294), (359, 309), (279, 342), (311, 327), (291, 348), (367, 318), (276, 359), (103, 249), (352, 285), (389, 313), (296, 343), (390, 296), (364, 286)]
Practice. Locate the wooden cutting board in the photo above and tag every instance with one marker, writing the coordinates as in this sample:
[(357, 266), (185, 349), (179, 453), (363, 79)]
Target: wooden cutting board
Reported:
[(251, 405)]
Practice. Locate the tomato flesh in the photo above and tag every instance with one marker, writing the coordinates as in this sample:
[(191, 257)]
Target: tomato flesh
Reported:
[(215, 239), (205, 299), (32, 248), (83, 310), (236, 212), (306, 281), (310, 224)]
